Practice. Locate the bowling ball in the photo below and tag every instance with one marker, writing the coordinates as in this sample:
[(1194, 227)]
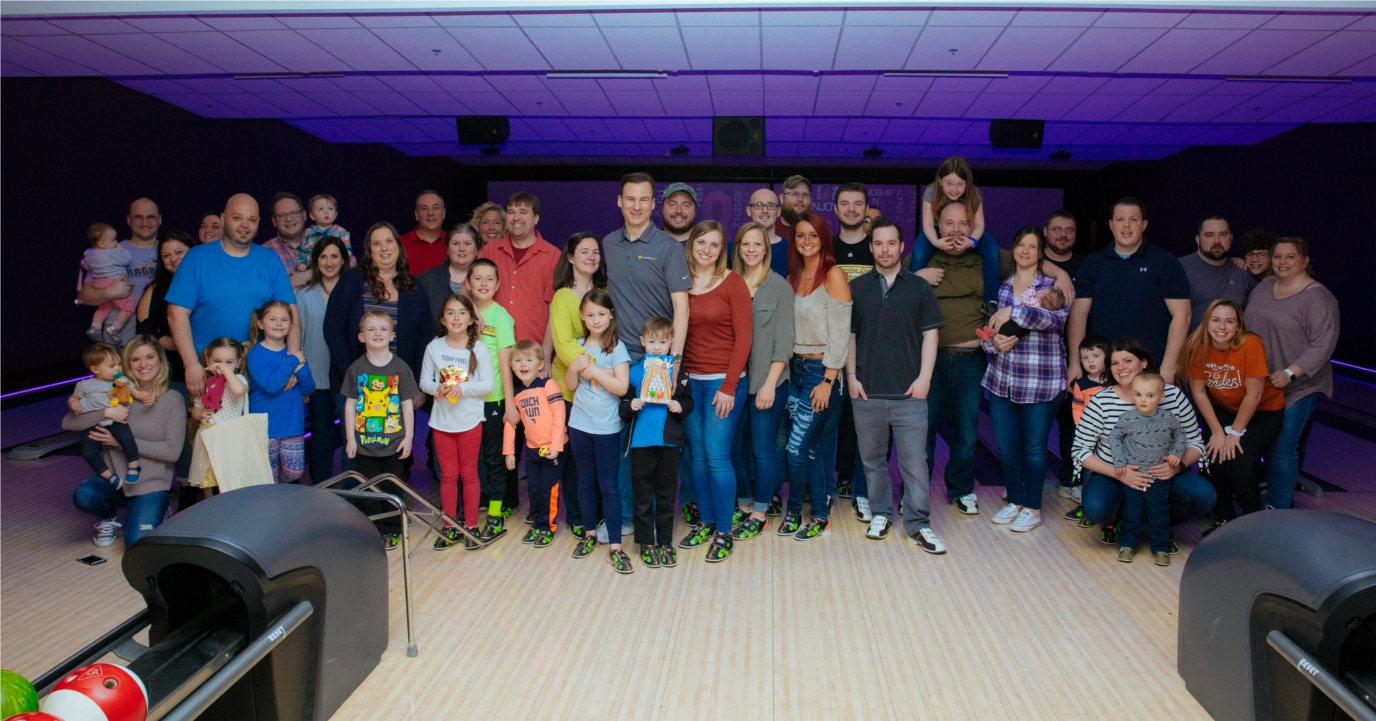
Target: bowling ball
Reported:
[(17, 695), (99, 692)]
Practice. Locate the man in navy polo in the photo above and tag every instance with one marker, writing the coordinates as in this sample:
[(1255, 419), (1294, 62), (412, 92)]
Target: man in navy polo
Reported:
[(1131, 289)]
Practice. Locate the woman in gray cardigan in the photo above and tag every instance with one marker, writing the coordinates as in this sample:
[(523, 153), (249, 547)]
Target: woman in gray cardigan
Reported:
[(451, 276), (159, 427), (771, 349)]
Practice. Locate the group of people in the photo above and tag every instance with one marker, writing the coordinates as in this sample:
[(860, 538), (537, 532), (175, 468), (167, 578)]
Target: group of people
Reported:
[(692, 369)]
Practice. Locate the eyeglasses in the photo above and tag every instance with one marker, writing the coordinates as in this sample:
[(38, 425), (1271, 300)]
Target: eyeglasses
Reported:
[(867, 219), (764, 206), (796, 194), (1259, 254), (288, 214)]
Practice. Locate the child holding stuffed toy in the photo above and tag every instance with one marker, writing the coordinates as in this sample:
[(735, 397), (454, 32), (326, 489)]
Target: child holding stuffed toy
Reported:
[(108, 387), (226, 390)]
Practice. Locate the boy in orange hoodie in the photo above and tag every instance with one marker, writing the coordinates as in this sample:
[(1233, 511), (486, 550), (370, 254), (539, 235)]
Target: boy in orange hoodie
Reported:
[(540, 404)]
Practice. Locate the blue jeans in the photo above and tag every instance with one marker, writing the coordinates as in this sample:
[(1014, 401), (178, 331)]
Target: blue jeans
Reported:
[(320, 447), (91, 450), (1287, 452), (1190, 496), (754, 442), (809, 462), (954, 398), (709, 447), (1021, 430), (97, 497), (988, 251), (597, 457), (1151, 505)]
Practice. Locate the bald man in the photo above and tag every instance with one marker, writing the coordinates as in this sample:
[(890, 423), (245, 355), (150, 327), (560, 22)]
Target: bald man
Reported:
[(144, 219), (764, 209), (220, 283)]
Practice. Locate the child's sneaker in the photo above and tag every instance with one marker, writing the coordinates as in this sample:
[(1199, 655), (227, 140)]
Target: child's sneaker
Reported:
[(815, 529), (691, 515), (621, 563), (450, 536), (720, 549), (751, 528), (1075, 513), (578, 531), (390, 541), (649, 557), (585, 546), (131, 476), (843, 489), (470, 541), (776, 506), (668, 557), (507, 511), (494, 529), (1084, 522), (696, 537), (1161, 558), (1109, 535), (790, 525), (530, 536), (738, 517), (1125, 554), (543, 538), (530, 517), (95, 333)]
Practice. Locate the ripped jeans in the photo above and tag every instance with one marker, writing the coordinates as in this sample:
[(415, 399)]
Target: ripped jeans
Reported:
[(97, 497), (812, 432)]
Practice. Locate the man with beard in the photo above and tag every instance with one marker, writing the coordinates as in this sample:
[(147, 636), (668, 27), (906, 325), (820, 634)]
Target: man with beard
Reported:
[(797, 199), (218, 284), (425, 246), (1060, 242), (1212, 273), (144, 219), (289, 218), (764, 209), (680, 210), (853, 255)]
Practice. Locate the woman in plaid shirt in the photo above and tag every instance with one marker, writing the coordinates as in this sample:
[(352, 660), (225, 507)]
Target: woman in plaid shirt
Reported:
[(1025, 377)]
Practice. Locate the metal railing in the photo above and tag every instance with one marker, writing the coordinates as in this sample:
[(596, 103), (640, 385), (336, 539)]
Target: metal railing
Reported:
[(432, 518), (93, 651), (1331, 687), (373, 495)]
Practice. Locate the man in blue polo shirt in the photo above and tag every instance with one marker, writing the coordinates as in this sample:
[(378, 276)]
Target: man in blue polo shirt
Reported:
[(1131, 289), (219, 284)]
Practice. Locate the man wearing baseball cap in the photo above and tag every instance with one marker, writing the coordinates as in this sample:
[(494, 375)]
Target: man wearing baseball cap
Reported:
[(680, 210)]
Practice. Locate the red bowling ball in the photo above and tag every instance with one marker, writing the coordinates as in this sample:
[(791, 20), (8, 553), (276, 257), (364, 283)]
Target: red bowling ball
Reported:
[(99, 692)]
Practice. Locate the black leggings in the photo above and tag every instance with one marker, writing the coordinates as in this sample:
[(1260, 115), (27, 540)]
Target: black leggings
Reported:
[(1240, 478)]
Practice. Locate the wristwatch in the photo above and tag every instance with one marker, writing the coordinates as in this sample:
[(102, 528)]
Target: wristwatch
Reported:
[(678, 358), (1229, 430), (827, 380), (1290, 373)]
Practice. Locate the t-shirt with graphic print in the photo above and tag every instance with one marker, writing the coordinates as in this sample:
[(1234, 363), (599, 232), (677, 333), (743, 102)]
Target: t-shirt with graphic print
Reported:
[(856, 259), (377, 393), (1225, 374)]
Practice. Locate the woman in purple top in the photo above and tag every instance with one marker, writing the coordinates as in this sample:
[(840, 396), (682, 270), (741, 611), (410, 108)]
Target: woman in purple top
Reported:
[(1297, 320), (1025, 377)]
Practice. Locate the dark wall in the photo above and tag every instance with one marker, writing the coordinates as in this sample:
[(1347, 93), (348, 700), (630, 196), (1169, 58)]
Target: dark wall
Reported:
[(78, 150)]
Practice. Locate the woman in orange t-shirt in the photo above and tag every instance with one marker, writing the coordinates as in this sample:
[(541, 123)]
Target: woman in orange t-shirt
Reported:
[(1227, 365)]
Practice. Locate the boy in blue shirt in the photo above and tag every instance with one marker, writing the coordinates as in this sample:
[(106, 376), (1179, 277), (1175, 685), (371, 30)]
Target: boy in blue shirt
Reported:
[(655, 415)]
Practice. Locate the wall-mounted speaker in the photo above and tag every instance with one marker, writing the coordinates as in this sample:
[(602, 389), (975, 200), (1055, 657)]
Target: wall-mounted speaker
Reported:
[(1017, 133), (483, 129), (738, 135)]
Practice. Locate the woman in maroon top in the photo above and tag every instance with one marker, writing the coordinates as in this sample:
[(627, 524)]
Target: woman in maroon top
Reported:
[(714, 356)]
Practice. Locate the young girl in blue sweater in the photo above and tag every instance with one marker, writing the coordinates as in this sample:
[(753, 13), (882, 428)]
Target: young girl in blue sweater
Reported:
[(279, 383)]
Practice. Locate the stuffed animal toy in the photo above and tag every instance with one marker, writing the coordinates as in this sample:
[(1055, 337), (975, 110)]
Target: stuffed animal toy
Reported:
[(120, 393), (214, 393)]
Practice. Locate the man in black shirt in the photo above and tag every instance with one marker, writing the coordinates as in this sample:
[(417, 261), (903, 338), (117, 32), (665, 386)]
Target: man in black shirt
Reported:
[(852, 249), (893, 346)]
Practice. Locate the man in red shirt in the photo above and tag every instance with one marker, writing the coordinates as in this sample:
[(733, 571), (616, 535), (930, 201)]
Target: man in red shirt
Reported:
[(425, 246), (525, 265)]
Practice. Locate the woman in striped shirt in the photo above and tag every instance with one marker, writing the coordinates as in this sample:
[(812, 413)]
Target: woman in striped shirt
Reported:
[(1190, 494)]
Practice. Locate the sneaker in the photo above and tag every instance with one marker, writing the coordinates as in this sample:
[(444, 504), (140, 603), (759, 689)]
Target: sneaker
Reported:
[(1161, 558), (390, 541), (926, 538), (879, 528), (776, 506), (697, 536), (1026, 521), (1071, 492), (720, 549), (738, 517), (448, 537), (861, 506), (578, 531), (816, 528), (1084, 522), (1006, 515), (691, 515), (95, 334), (530, 536), (750, 529), (1217, 525), (621, 563), (105, 532), (1108, 535), (470, 541), (627, 530), (1075, 513), (507, 512), (1125, 554), (494, 529), (1172, 547), (601, 533), (790, 525), (649, 556), (530, 518), (583, 548), (668, 557), (131, 476), (843, 489), (544, 538), (967, 504)]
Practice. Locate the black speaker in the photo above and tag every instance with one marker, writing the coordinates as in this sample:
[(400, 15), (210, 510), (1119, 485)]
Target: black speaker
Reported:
[(1016, 133), (740, 135), (483, 129)]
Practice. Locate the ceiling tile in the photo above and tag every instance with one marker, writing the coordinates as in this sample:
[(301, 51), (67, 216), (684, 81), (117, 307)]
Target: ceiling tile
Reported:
[(1255, 109), (1101, 134), (647, 48), (1151, 109), (1259, 50), (903, 84), (996, 105), (944, 131), (289, 50), (27, 26), (1361, 110), (688, 103), (792, 81), (460, 84), (1055, 18), (869, 47), (165, 25), (1099, 107), (1330, 55), (666, 130), (554, 20), (613, 83), (1103, 49), (675, 83), (791, 102), (209, 85), (1202, 109), (972, 18), (1046, 106), (1130, 86), (585, 102), (535, 103), (390, 103), (204, 106), (528, 83), (723, 48), (933, 49), (1188, 86), (959, 85), (410, 83), (1018, 84), (824, 130), (628, 131), (223, 51), (401, 20), (1144, 19), (40, 61), (574, 48), (437, 103), (852, 83), (1225, 20), (800, 48), (242, 22), (635, 18), (945, 105), (297, 105), (1296, 90), (363, 83), (738, 102), (785, 129), (338, 101), (84, 52), (1310, 21), (1366, 22), (475, 20), (892, 104), (1179, 51), (864, 130), (358, 47), (735, 82), (1074, 84), (801, 18), (739, 18), (552, 130), (1029, 48), (888, 18), (157, 87), (249, 104), (1309, 110), (1366, 68), (317, 21), (500, 48), (93, 26), (837, 102)]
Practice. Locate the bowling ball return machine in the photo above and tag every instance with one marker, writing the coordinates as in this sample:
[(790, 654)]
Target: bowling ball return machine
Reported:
[(268, 602), (1278, 618)]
